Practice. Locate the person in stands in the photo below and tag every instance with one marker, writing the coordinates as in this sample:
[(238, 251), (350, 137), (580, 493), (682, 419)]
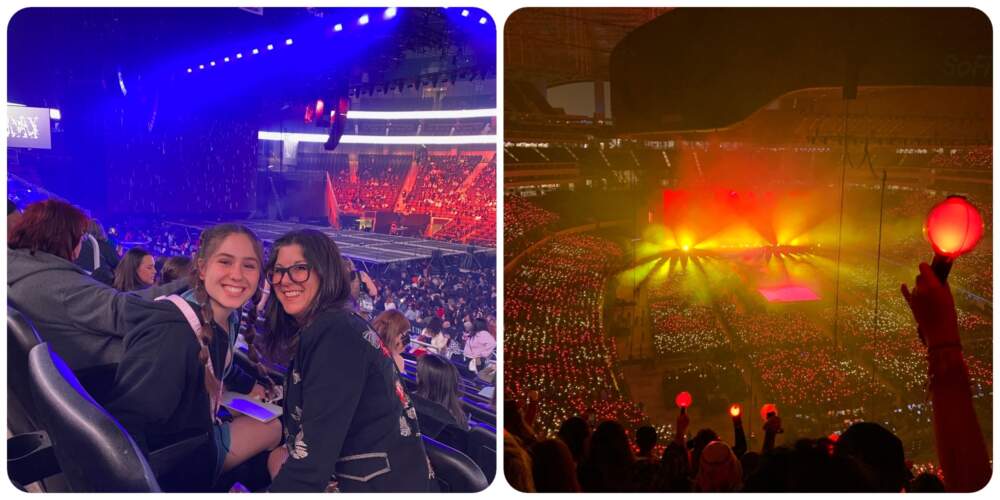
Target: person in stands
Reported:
[(349, 424), (97, 254), (175, 268), (82, 319), (394, 330), (479, 346), (136, 271), (437, 393), (179, 358)]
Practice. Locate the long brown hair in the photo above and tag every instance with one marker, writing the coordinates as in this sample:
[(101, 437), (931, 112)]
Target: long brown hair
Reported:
[(393, 328), (126, 273), (208, 243), (323, 255), (51, 226), (437, 380)]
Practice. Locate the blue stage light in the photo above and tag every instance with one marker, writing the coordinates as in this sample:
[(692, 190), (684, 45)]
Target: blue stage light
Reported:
[(255, 52), (338, 27), (190, 70), (211, 63), (389, 13), (482, 20), (288, 41), (239, 55), (363, 20), (465, 12), (270, 46), (201, 66), (225, 59)]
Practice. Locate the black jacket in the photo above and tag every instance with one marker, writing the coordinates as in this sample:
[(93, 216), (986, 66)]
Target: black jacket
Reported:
[(159, 393), (433, 415), (347, 417)]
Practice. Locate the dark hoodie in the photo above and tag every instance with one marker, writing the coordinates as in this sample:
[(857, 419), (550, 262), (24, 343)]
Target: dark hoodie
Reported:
[(159, 393)]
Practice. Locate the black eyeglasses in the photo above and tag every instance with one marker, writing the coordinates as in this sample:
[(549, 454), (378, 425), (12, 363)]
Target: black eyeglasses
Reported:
[(299, 273)]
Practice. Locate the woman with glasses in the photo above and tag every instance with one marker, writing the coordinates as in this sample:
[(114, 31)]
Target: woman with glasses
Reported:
[(348, 423)]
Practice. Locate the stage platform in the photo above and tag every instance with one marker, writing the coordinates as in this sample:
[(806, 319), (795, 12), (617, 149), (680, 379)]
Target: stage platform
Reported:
[(372, 248)]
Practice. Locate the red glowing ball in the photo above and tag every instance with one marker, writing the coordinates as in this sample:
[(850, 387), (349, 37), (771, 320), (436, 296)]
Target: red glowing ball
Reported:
[(768, 408), (834, 437), (735, 410), (683, 399), (953, 227)]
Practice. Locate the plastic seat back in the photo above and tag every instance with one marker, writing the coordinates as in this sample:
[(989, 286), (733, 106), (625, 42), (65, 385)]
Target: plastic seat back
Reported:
[(93, 451)]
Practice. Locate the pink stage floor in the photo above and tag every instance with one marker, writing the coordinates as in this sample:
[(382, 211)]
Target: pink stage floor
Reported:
[(789, 293)]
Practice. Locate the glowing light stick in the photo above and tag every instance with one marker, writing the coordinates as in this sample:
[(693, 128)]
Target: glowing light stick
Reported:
[(953, 227), (766, 409), (734, 411), (683, 400)]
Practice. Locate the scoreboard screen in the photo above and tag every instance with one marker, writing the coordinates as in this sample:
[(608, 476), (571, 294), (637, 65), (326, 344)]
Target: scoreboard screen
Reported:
[(28, 127)]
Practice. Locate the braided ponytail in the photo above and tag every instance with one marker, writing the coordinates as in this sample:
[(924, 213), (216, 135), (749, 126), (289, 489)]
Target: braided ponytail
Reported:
[(213, 383)]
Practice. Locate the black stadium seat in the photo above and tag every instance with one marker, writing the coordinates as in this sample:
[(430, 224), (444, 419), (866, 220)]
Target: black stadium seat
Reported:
[(455, 472), (94, 452), (481, 448), (21, 338)]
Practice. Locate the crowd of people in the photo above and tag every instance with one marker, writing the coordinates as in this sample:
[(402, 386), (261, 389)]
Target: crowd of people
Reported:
[(311, 326), (855, 456), (681, 327), (521, 220), (441, 189), (555, 343)]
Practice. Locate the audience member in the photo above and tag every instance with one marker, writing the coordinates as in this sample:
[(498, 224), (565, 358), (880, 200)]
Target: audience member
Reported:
[(136, 271)]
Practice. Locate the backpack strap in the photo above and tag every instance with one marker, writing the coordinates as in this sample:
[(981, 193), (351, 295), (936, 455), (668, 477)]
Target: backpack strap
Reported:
[(195, 324)]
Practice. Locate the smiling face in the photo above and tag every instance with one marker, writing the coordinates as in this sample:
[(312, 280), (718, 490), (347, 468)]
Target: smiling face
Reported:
[(294, 297), (231, 274), (147, 271)]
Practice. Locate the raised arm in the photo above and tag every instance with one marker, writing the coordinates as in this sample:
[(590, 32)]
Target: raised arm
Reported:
[(961, 448)]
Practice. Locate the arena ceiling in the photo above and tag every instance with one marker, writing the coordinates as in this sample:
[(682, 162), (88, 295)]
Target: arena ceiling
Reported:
[(563, 45)]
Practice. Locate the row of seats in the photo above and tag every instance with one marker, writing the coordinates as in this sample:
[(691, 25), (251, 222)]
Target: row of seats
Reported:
[(66, 441)]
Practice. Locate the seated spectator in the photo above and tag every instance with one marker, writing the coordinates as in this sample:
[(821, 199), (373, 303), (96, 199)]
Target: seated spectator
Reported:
[(646, 470), (169, 384), (175, 268), (575, 433), (82, 319), (675, 469), (437, 393), (719, 470), (517, 467), (552, 468), (97, 254), (515, 424), (609, 461), (394, 330), (136, 271), (879, 451), (480, 346)]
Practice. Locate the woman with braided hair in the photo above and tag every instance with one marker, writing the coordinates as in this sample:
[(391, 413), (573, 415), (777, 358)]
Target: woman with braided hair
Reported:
[(179, 356)]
